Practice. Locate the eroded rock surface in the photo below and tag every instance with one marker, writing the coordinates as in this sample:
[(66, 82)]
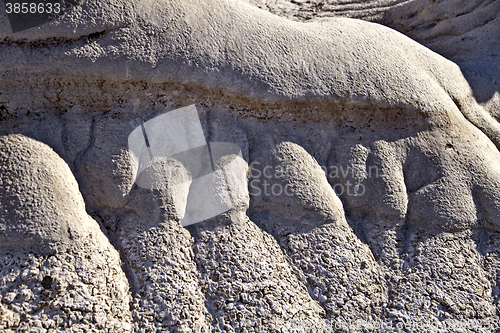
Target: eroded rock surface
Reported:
[(465, 32), (58, 271), (373, 178)]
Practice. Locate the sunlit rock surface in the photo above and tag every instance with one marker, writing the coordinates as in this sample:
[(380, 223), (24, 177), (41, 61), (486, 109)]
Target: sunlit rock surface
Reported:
[(371, 162)]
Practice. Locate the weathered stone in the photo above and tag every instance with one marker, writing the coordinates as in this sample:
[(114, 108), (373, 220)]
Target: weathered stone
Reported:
[(392, 206), (56, 265)]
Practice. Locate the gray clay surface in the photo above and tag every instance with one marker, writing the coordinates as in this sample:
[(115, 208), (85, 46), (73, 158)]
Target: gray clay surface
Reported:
[(369, 134)]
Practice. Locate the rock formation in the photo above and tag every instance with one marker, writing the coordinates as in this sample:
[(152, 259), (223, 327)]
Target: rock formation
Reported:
[(371, 162), (58, 270)]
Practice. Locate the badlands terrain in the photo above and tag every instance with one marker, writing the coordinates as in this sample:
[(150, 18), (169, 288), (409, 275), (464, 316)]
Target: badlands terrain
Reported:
[(368, 176)]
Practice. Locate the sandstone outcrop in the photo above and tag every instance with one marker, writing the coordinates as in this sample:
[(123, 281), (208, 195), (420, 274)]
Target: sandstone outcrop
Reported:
[(371, 164), (58, 270)]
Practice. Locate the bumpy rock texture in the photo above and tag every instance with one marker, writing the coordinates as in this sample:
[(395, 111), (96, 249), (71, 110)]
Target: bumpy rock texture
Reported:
[(372, 166), (58, 270)]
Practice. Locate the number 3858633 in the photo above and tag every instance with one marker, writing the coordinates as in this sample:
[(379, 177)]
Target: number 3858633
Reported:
[(32, 8)]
